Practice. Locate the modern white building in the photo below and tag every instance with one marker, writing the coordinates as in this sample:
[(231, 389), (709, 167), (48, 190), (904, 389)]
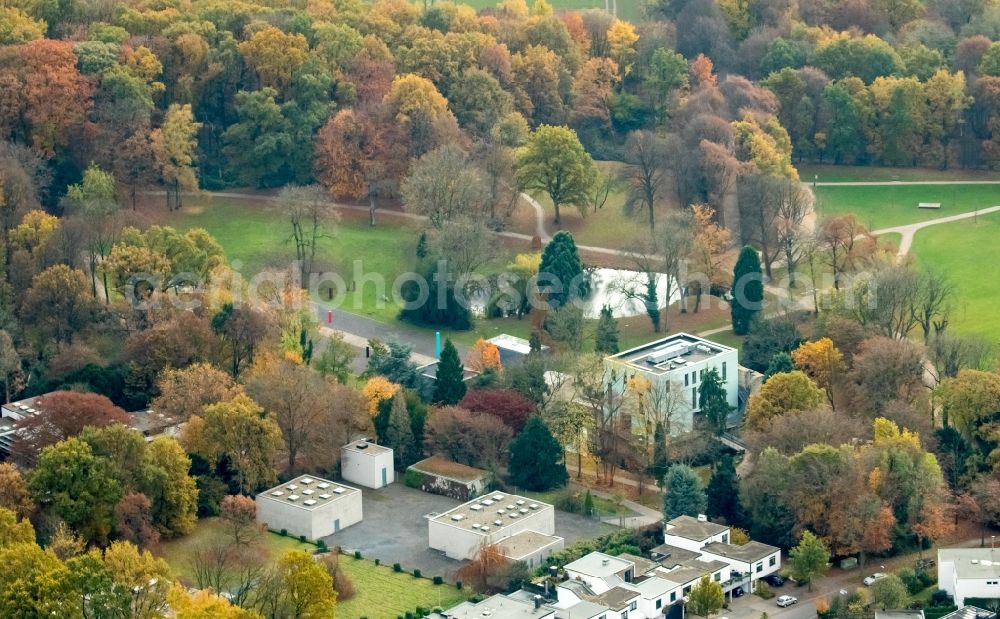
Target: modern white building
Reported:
[(745, 564), (367, 464), (675, 366), (309, 506), (530, 547), (512, 348), (501, 607), (969, 573), (460, 532)]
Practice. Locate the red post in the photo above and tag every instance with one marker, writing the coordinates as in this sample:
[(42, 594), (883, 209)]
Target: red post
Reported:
[(329, 317)]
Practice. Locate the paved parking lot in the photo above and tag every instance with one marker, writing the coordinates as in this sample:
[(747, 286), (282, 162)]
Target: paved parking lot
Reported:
[(394, 529)]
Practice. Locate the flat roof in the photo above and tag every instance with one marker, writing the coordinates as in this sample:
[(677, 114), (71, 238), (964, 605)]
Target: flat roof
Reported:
[(583, 609), (498, 607), (430, 371), (616, 598), (970, 612), (525, 543), (671, 353), (672, 556), (308, 492), (747, 553), (513, 343), (150, 422), (362, 446), (693, 529), (598, 565), (653, 586), (690, 571), (974, 563), (491, 513), (642, 564), (439, 465)]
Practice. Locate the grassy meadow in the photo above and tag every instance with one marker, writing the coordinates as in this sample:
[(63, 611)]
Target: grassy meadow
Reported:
[(895, 205)]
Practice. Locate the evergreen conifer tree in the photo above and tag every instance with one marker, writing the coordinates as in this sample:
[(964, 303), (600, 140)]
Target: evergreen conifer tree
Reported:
[(748, 290), (560, 273), (448, 385), (607, 333), (536, 458), (684, 495)]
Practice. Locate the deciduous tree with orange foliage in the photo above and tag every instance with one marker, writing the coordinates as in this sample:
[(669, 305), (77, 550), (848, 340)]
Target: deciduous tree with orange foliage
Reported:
[(483, 356), (822, 362)]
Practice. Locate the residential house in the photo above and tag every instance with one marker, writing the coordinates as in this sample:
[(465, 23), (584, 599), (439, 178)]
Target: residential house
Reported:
[(969, 573)]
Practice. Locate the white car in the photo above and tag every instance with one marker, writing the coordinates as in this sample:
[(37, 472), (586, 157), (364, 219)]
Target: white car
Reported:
[(870, 580), (786, 600)]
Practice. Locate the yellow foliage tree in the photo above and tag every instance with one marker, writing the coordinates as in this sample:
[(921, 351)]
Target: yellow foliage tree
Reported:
[(377, 389), (622, 39), (821, 361), (204, 604), (786, 392), (483, 356), (35, 229)]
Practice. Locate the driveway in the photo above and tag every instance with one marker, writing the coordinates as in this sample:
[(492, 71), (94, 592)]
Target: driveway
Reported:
[(394, 529)]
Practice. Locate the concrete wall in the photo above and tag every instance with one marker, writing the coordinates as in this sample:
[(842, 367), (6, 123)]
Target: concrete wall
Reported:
[(461, 542), (314, 523), (365, 469), (446, 486)]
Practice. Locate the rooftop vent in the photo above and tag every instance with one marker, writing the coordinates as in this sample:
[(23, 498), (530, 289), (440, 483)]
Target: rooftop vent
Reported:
[(523, 510), (362, 445), (497, 497), (309, 502), (308, 491), (498, 522), (605, 561), (500, 511), (277, 493), (702, 518), (520, 502), (484, 528), (513, 514), (476, 508), (703, 348), (458, 517), (324, 496), (338, 490), (533, 506), (487, 502), (670, 352), (293, 497), (323, 485), (475, 525), (306, 480), (291, 487), (510, 507)]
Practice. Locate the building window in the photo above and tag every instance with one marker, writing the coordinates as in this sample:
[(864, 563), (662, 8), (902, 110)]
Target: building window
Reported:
[(633, 605), (694, 397), (725, 538), (718, 576), (673, 597), (687, 590), (760, 567), (659, 604), (772, 561), (723, 371), (686, 379), (701, 375)]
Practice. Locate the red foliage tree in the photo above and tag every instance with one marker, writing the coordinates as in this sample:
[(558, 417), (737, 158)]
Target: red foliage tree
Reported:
[(57, 97), (134, 521), (63, 414), (509, 406)]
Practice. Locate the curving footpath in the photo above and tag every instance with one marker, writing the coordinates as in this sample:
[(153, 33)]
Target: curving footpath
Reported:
[(909, 230)]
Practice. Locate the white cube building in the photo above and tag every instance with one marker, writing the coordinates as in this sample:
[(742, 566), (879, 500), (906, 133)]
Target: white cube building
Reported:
[(367, 464), (675, 367), (460, 532), (309, 506), (969, 573)]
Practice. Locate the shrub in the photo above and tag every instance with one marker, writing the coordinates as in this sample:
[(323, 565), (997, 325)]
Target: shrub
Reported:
[(413, 479), (416, 573), (458, 585), (378, 562), (283, 533), (926, 578), (409, 614), (302, 538), (396, 567), (321, 544), (910, 580), (357, 554), (764, 590), (940, 598), (438, 580), (421, 611)]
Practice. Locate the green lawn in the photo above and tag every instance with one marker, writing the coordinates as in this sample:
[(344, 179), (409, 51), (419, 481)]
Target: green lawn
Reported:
[(178, 553), (841, 174), (887, 206), (628, 10), (256, 237), (380, 593), (964, 250), (384, 594)]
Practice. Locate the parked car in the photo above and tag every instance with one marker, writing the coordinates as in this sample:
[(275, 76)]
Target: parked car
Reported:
[(870, 580), (738, 592), (786, 600), (775, 580)]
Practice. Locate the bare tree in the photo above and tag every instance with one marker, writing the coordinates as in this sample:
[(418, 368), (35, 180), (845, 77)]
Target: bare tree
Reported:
[(795, 203), (445, 184), (887, 301), (647, 155), (307, 211), (934, 295), (759, 198), (674, 242), (842, 238), (952, 353)]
